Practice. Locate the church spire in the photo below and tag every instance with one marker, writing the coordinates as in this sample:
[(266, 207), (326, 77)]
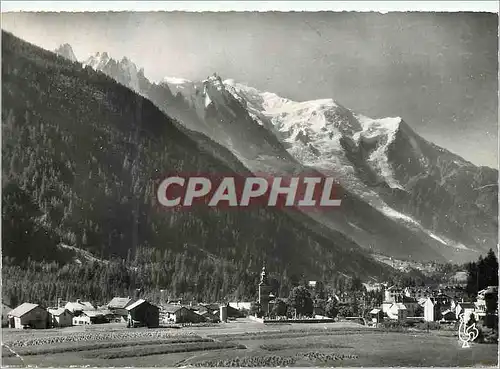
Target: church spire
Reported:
[(263, 276)]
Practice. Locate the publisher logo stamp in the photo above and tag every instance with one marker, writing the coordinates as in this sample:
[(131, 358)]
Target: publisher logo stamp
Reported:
[(235, 191)]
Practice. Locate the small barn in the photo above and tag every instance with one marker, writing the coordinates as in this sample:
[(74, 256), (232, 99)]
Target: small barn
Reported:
[(377, 315), (143, 313), (60, 317), (28, 316)]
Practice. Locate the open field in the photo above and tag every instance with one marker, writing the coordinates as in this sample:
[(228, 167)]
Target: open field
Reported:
[(239, 344)]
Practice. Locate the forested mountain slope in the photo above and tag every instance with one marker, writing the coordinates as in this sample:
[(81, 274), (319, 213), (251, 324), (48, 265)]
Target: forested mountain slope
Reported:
[(81, 155)]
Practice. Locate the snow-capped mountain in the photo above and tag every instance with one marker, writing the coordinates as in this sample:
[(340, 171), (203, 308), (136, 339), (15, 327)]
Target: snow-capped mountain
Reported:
[(429, 190), (403, 196), (66, 51), (386, 163), (208, 107)]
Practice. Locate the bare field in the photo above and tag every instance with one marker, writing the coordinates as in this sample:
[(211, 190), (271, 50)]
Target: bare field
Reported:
[(242, 343)]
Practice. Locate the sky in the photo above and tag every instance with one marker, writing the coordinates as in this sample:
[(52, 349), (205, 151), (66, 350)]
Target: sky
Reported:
[(438, 71)]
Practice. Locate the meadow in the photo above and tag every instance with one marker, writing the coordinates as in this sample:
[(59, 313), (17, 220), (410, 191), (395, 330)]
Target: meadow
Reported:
[(241, 344)]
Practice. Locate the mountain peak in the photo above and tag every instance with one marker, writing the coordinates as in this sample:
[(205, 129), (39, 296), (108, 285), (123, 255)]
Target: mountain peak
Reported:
[(176, 80), (66, 51)]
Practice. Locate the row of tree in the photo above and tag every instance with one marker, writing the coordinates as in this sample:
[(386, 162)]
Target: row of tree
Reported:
[(304, 301)]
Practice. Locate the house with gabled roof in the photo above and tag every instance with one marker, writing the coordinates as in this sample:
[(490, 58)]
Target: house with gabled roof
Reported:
[(397, 311), (181, 314), (209, 316), (86, 317), (118, 307), (79, 306), (28, 315), (143, 313), (120, 302), (60, 317)]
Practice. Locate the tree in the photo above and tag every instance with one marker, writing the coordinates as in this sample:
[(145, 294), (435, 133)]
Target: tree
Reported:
[(332, 308), (319, 290), (345, 311), (279, 308), (491, 269), (356, 284), (482, 273), (300, 299)]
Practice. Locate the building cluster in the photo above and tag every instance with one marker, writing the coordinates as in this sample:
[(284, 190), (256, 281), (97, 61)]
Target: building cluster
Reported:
[(444, 304), (431, 305), (131, 311)]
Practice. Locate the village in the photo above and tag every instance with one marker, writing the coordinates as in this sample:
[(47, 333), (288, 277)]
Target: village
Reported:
[(443, 305)]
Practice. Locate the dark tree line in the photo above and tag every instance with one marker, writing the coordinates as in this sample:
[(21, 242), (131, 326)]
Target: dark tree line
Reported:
[(482, 273), (180, 275)]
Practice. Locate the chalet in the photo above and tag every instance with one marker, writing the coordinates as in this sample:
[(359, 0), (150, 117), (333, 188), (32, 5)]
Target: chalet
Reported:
[(435, 306), (28, 316), (143, 313), (209, 316), (397, 311), (5, 312), (118, 307), (78, 306), (181, 314), (60, 317), (89, 317), (483, 297)]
